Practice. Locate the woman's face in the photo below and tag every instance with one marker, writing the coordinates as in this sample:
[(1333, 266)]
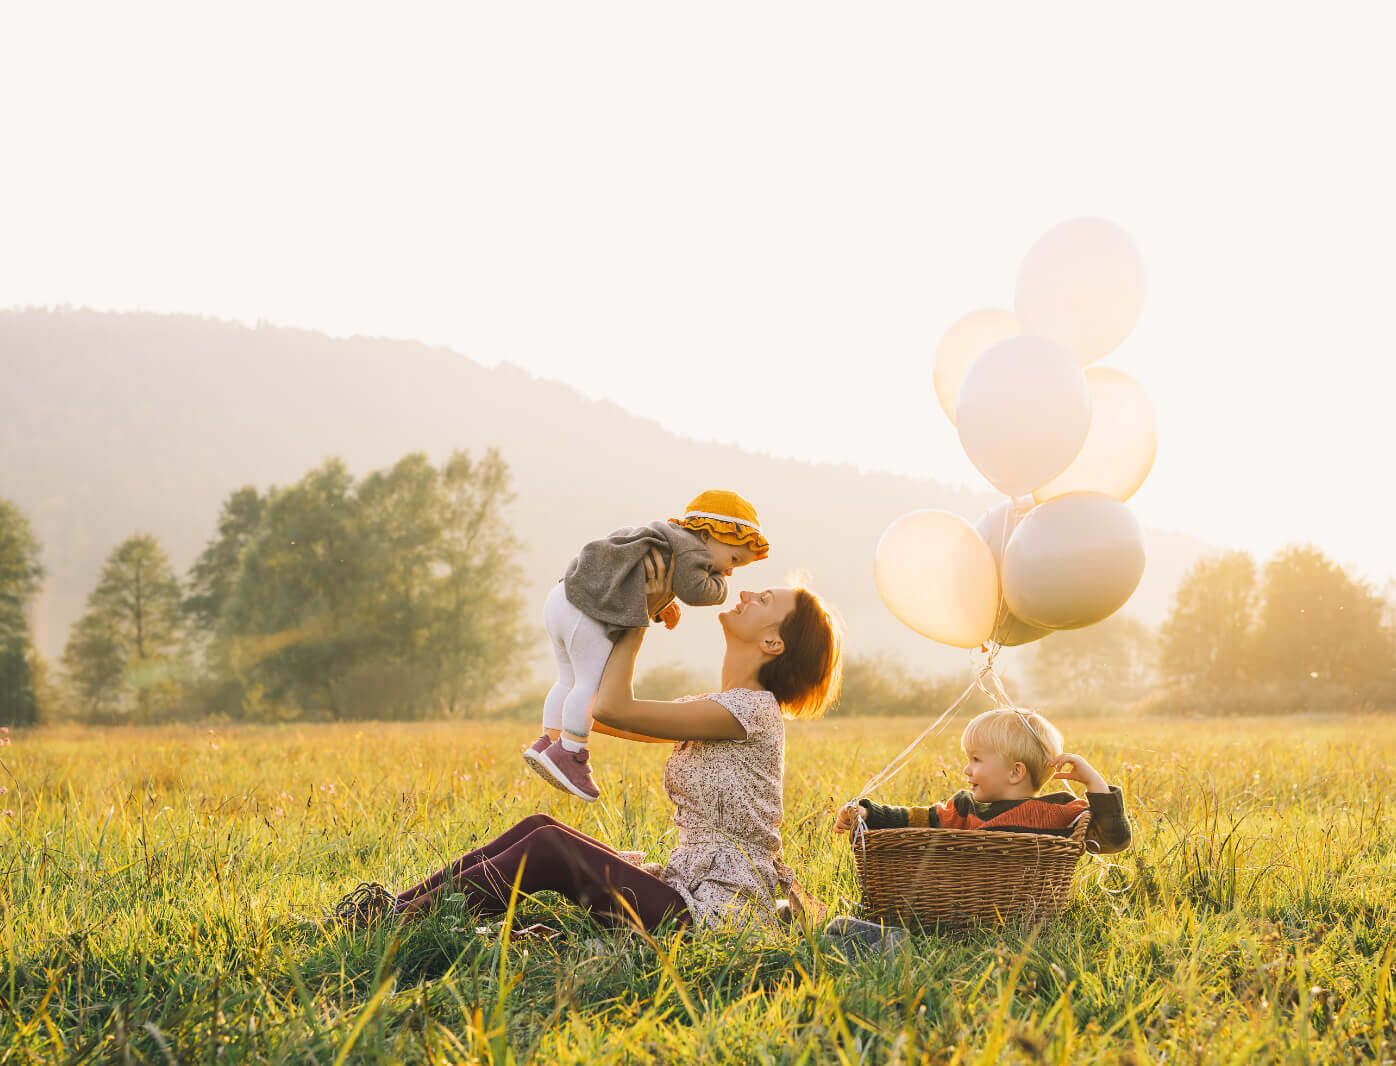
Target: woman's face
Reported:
[(757, 615)]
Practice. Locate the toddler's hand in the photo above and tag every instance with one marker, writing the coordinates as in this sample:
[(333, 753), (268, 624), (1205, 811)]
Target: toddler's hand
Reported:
[(670, 615), (849, 815), (1081, 771)]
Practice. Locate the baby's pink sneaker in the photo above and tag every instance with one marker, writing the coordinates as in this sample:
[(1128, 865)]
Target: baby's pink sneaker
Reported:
[(531, 755), (569, 770)]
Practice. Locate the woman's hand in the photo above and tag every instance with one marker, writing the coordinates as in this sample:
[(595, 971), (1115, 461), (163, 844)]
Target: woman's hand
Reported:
[(850, 814), (656, 574), (1081, 771)]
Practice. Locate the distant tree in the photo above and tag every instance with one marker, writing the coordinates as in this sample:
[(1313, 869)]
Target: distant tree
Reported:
[(290, 625), (215, 571), (1111, 660), (126, 641), (402, 521), (20, 579), (478, 639), (1388, 622), (1206, 639), (95, 660), (1318, 622), (393, 598)]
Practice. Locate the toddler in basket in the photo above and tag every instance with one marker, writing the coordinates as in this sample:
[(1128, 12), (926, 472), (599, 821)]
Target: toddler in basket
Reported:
[(614, 584), (1010, 754)]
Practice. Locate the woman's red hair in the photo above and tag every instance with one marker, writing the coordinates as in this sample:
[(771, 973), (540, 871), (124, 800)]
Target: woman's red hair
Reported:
[(806, 676)]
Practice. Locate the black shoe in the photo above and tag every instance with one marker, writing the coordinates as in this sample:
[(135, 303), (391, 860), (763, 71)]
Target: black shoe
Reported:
[(366, 905)]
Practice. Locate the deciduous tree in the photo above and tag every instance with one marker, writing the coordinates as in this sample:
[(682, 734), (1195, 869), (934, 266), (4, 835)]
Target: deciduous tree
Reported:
[(1318, 622), (125, 644), (395, 597), (20, 579), (1206, 639), (214, 573)]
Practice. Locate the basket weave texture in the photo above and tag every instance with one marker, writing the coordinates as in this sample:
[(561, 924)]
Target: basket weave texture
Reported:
[(959, 877)]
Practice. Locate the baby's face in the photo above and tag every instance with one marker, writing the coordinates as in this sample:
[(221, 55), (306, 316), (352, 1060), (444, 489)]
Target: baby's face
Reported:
[(990, 776), (727, 558)]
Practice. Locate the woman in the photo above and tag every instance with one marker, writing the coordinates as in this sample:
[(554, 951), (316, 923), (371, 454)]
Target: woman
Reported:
[(783, 659)]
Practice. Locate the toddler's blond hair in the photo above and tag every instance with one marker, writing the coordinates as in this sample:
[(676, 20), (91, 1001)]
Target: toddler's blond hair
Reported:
[(1019, 736)]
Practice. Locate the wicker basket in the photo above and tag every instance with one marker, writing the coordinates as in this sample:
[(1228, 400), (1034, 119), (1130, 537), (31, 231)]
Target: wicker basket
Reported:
[(959, 877)]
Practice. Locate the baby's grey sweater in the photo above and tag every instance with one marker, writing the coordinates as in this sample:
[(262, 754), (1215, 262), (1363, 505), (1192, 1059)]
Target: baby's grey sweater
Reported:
[(606, 580)]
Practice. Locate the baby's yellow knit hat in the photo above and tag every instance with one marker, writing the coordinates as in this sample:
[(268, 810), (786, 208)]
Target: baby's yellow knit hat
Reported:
[(726, 517)]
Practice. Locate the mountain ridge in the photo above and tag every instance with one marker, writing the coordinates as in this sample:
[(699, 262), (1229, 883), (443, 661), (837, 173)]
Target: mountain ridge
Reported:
[(114, 422)]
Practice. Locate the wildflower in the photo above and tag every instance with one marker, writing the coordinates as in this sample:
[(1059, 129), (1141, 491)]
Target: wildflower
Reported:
[(4, 791), (7, 813)]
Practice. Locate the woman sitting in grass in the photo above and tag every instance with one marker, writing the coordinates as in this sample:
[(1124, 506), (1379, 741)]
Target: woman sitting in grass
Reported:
[(783, 659)]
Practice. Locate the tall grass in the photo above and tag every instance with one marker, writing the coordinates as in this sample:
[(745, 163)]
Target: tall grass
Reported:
[(154, 881)]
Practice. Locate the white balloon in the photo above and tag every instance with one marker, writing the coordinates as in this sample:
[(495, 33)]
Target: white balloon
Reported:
[(936, 574), (1023, 413), (1082, 285), (1120, 448), (1073, 561), (996, 525), (962, 344)]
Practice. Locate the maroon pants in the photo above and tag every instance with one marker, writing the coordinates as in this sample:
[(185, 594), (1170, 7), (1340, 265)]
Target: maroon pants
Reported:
[(557, 857)]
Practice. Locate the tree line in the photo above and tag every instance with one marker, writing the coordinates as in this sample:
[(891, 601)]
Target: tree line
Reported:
[(1299, 632), (394, 596)]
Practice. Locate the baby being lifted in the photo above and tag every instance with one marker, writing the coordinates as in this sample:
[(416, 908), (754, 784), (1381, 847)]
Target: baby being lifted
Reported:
[(604, 593)]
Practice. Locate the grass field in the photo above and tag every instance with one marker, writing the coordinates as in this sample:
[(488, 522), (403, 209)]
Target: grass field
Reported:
[(150, 878)]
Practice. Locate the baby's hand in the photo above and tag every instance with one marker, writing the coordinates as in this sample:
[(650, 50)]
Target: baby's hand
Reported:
[(849, 815), (670, 615), (1081, 771)]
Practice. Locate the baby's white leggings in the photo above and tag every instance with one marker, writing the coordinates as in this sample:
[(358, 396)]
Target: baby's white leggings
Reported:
[(582, 648)]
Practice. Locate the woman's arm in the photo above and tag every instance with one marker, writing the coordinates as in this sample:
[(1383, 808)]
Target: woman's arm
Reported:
[(617, 707), (599, 727)]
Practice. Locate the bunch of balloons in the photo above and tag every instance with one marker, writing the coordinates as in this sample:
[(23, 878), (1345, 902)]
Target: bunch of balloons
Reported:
[(1066, 445)]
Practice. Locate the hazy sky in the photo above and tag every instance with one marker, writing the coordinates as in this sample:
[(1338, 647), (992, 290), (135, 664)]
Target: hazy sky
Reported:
[(754, 221)]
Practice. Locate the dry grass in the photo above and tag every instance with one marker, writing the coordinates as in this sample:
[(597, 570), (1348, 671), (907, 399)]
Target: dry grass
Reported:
[(151, 878)]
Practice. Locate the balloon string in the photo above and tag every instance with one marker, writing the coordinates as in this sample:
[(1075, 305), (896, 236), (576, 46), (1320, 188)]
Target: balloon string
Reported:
[(985, 680), (893, 768)]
